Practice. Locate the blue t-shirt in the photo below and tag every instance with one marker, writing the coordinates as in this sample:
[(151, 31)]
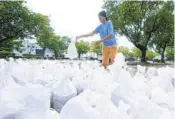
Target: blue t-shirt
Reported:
[(104, 30)]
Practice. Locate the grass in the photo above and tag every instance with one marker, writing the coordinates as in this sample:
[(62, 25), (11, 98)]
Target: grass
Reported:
[(148, 64)]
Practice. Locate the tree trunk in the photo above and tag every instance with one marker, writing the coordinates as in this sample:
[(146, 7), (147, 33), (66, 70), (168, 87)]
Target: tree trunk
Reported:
[(56, 54), (162, 57), (163, 54), (44, 49), (143, 57), (79, 55), (143, 51)]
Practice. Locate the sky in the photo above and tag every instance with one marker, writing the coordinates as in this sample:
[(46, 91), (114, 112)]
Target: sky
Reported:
[(73, 17)]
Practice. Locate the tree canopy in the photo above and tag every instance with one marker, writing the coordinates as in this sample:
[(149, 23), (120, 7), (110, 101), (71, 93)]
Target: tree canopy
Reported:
[(82, 48), (17, 21), (139, 21), (124, 50)]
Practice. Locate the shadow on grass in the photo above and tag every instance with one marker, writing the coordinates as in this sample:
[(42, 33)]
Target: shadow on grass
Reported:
[(149, 64)]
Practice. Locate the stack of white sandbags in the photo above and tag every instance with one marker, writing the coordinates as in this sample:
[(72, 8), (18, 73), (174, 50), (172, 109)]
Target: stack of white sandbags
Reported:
[(102, 94), (90, 105)]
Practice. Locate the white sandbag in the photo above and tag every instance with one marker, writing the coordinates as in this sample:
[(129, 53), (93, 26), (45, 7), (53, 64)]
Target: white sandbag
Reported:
[(24, 102), (117, 95), (109, 89), (123, 111), (124, 90), (166, 75), (153, 82), (167, 115), (90, 97), (52, 114), (158, 95), (119, 60), (11, 59), (6, 80), (151, 72), (78, 108), (2, 65), (80, 84), (117, 66), (163, 99), (139, 84), (34, 113), (22, 72), (72, 51), (148, 110), (107, 109), (140, 70), (63, 92), (98, 83)]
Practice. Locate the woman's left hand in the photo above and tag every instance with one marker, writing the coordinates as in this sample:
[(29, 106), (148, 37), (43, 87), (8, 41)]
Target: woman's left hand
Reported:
[(97, 42)]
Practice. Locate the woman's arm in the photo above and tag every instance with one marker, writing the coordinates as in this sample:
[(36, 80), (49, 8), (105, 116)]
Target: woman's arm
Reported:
[(86, 35)]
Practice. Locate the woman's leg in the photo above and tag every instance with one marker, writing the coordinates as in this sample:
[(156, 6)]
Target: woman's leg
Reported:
[(113, 52), (105, 56)]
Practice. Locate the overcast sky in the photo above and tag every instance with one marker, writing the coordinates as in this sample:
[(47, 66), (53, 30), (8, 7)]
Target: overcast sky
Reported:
[(73, 17)]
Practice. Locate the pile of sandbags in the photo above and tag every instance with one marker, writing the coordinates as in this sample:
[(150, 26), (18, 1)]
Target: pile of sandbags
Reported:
[(29, 89)]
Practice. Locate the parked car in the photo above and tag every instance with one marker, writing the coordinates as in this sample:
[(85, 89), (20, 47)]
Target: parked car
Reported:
[(48, 55), (131, 59), (149, 59), (157, 59)]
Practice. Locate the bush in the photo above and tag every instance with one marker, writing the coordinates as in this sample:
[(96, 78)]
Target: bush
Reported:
[(4, 54), (30, 56)]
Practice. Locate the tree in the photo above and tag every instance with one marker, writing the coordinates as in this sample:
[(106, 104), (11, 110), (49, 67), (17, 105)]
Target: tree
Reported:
[(57, 45), (82, 48), (135, 52), (170, 53), (53, 43), (138, 20), (96, 49), (66, 40), (150, 54), (11, 45), (44, 39), (18, 22), (164, 36), (124, 50)]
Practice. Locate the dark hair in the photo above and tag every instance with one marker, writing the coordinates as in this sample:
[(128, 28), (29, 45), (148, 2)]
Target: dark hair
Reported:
[(103, 13)]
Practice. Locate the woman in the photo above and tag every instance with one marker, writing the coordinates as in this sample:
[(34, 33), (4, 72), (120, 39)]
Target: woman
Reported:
[(107, 35)]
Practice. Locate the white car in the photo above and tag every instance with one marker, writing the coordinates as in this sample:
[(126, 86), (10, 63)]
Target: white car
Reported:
[(99, 57), (157, 59), (48, 55)]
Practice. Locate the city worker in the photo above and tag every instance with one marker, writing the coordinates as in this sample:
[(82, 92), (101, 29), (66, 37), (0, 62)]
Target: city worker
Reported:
[(107, 35)]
